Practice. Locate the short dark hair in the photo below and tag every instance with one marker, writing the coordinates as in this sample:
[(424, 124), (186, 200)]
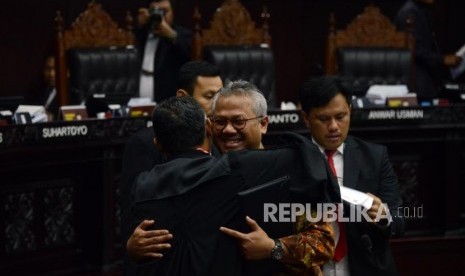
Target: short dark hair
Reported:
[(319, 91), (179, 124), (188, 73), (172, 2)]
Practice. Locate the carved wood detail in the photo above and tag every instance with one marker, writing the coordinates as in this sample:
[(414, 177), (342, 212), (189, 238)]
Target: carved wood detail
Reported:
[(231, 25), (37, 216), (369, 29), (59, 215), (19, 223), (93, 28), (407, 174)]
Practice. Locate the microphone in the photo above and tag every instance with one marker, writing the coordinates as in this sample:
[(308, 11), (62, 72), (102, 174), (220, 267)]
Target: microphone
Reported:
[(366, 240)]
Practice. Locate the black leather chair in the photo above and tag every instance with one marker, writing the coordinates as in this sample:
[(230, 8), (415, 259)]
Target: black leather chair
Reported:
[(370, 51), (102, 71), (250, 63), (239, 48), (95, 56), (361, 67)]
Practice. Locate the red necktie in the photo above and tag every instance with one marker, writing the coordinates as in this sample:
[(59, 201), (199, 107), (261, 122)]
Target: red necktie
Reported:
[(341, 246)]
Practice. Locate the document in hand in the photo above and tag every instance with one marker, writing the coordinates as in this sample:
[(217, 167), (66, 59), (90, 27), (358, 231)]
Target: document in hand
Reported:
[(356, 197), (457, 71)]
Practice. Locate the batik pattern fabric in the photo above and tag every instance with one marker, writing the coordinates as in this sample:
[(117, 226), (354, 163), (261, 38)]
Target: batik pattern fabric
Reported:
[(310, 248)]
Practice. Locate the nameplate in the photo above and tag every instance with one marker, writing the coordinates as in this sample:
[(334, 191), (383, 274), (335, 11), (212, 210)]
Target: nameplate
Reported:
[(396, 114), (65, 131), (70, 132), (285, 120), (392, 116)]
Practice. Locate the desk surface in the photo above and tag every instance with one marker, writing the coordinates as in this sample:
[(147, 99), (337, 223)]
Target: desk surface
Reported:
[(70, 132), (390, 117), (362, 119)]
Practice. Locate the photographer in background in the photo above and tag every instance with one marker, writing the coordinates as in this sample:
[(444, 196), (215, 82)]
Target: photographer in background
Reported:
[(164, 48)]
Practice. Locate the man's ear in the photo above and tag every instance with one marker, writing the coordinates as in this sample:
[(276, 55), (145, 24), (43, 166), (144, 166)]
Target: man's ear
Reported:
[(182, 93), (304, 117), (157, 145), (264, 124), (208, 128)]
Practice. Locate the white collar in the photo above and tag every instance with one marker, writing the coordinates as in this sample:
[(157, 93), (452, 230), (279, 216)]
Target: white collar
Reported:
[(339, 150)]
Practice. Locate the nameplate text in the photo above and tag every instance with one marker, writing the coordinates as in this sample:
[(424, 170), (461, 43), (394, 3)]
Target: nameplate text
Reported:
[(64, 131), (391, 114), (284, 118)]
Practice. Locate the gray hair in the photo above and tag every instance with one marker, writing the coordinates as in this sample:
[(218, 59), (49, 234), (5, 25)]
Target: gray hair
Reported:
[(245, 89)]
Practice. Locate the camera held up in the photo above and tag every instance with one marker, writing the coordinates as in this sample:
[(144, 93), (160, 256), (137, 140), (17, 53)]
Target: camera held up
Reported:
[(156, 16)]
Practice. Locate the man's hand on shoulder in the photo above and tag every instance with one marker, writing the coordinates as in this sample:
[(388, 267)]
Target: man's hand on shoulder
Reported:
[(148, 244)]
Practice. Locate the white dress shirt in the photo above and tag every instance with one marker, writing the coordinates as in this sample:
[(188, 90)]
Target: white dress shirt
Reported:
[(147, 80), (333, 268)]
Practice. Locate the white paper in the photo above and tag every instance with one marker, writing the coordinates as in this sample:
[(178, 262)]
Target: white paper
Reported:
[(381, 92), (288, 106), (356, 197), (461, 51), (71, 107), (37, 112), (457, 71), (140, 102)]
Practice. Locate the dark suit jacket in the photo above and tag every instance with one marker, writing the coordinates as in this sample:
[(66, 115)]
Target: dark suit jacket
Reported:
[(169, 57), (430, 71), (367, 168), (140, 154), (311, 177), (193, 195)]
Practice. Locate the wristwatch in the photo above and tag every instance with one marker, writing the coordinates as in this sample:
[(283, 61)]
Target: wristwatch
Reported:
[(277, 252)]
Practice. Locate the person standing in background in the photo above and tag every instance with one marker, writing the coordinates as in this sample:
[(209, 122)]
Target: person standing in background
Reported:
[(362, 248), (164, 47), (46, 96), (431, 66)]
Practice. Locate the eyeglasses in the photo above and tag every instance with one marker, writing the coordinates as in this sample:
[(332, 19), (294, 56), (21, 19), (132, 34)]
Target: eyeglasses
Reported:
[(238, 124)]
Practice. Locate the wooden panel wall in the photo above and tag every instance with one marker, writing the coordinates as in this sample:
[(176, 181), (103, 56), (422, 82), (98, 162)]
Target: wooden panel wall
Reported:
[(298, 28)]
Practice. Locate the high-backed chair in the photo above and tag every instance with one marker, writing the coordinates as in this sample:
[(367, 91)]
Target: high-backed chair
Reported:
[(95, 56), (238, 47), (370, 51)]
